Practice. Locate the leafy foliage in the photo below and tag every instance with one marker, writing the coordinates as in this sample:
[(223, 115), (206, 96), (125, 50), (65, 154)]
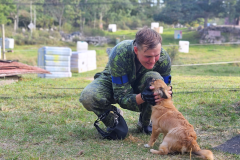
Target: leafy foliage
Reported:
[(127, 14), (5, 11), (173, 52), (187, 11)]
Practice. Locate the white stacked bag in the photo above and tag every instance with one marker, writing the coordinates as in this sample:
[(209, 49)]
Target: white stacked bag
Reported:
[(83, 61), (56, 60)]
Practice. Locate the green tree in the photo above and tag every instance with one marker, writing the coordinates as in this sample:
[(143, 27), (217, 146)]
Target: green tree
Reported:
[(103, 9), (85, 14), (56, 8), (232, 10), (44, 18), (170, 14), (120, 12), (74, 13), (5, 10), (237, 8), (187, 11), (15, 15)]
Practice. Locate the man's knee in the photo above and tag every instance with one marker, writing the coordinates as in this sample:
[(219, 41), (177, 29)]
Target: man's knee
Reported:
[(86, 98), (91, 99)]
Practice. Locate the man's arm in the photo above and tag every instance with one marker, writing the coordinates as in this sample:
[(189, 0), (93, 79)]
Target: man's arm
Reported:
[(121, 65), (139, 99)]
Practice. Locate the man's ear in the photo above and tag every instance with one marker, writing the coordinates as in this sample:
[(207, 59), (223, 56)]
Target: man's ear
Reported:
[(135, 50)]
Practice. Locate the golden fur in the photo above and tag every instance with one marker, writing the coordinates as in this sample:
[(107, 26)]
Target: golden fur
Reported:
[(178, 133)]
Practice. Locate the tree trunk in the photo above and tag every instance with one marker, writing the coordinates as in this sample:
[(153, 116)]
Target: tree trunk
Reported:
[(238, 21), (83, 23), (94, 22), (81, 29), (100, 20), (3, 43), (16, 19), (15, 24), (83, 19), (61, 17), (205, 21), (60, 23)]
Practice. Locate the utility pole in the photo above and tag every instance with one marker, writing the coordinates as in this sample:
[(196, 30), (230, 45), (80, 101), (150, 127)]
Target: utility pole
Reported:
[(31, 25), (34, 17), (3, 43), (31, 18)]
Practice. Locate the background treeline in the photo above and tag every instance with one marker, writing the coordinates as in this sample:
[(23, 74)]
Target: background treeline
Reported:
[(127, 14), (92, 16), (77, 14)]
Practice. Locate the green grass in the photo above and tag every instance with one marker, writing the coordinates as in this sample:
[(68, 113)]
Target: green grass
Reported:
[(167, 35), (43, 119)]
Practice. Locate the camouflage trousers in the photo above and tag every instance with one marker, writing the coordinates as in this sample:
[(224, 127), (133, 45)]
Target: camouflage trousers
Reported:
[(98, 97)]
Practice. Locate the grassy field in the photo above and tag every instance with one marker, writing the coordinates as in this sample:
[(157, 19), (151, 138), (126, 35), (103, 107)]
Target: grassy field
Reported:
[(43, 119)]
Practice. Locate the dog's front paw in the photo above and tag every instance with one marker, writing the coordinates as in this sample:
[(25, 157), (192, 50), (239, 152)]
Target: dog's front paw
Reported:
[(146, 145)]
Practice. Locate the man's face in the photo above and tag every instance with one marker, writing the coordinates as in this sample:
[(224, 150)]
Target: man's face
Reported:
[(149, 57)]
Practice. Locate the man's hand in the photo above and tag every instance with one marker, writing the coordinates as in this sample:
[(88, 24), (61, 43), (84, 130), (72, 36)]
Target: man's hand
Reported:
[(147, 95), (156, 95), (151, 97)]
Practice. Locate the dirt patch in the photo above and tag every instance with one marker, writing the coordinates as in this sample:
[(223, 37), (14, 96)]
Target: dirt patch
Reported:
[(231, 146)]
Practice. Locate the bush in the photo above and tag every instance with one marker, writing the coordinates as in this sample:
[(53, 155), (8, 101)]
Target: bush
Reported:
[(44, 34), (93, 32), (42, 40), (123, 26), (19, 39), (134, 23), (67, 27), (55, 34), (35, 34), (173, 52), (76, 39), (30, 41)]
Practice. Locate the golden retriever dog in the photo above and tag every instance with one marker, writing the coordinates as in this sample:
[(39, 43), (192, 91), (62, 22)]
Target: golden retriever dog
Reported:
[(178, 133)]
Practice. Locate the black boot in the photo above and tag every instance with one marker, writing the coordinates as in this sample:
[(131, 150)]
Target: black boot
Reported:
[(144, 129)]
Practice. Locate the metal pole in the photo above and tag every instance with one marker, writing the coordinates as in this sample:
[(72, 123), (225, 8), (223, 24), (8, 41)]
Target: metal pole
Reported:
[(3, 43), (35, 17), (31, 18)]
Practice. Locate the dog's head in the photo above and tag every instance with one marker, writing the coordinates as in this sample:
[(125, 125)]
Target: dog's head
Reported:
[(161, 88)]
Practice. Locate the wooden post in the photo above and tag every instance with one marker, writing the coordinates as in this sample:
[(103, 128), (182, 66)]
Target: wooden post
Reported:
[(3, 43)]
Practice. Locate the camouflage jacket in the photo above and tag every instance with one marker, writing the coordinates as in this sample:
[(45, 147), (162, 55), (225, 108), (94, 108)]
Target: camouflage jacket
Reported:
[(121, 70)]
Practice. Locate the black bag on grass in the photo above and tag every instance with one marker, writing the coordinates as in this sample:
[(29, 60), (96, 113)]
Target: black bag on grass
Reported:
[(118, 131)]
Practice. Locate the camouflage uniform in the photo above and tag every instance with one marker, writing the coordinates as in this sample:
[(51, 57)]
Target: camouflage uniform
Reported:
[(120, 83)]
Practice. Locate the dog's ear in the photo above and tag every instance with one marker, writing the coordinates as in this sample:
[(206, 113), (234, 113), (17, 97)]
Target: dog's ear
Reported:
[(149, 81), (162, 93)]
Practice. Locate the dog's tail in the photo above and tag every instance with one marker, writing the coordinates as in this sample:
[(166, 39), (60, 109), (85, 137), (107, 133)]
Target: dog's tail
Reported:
[(204, 154)]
